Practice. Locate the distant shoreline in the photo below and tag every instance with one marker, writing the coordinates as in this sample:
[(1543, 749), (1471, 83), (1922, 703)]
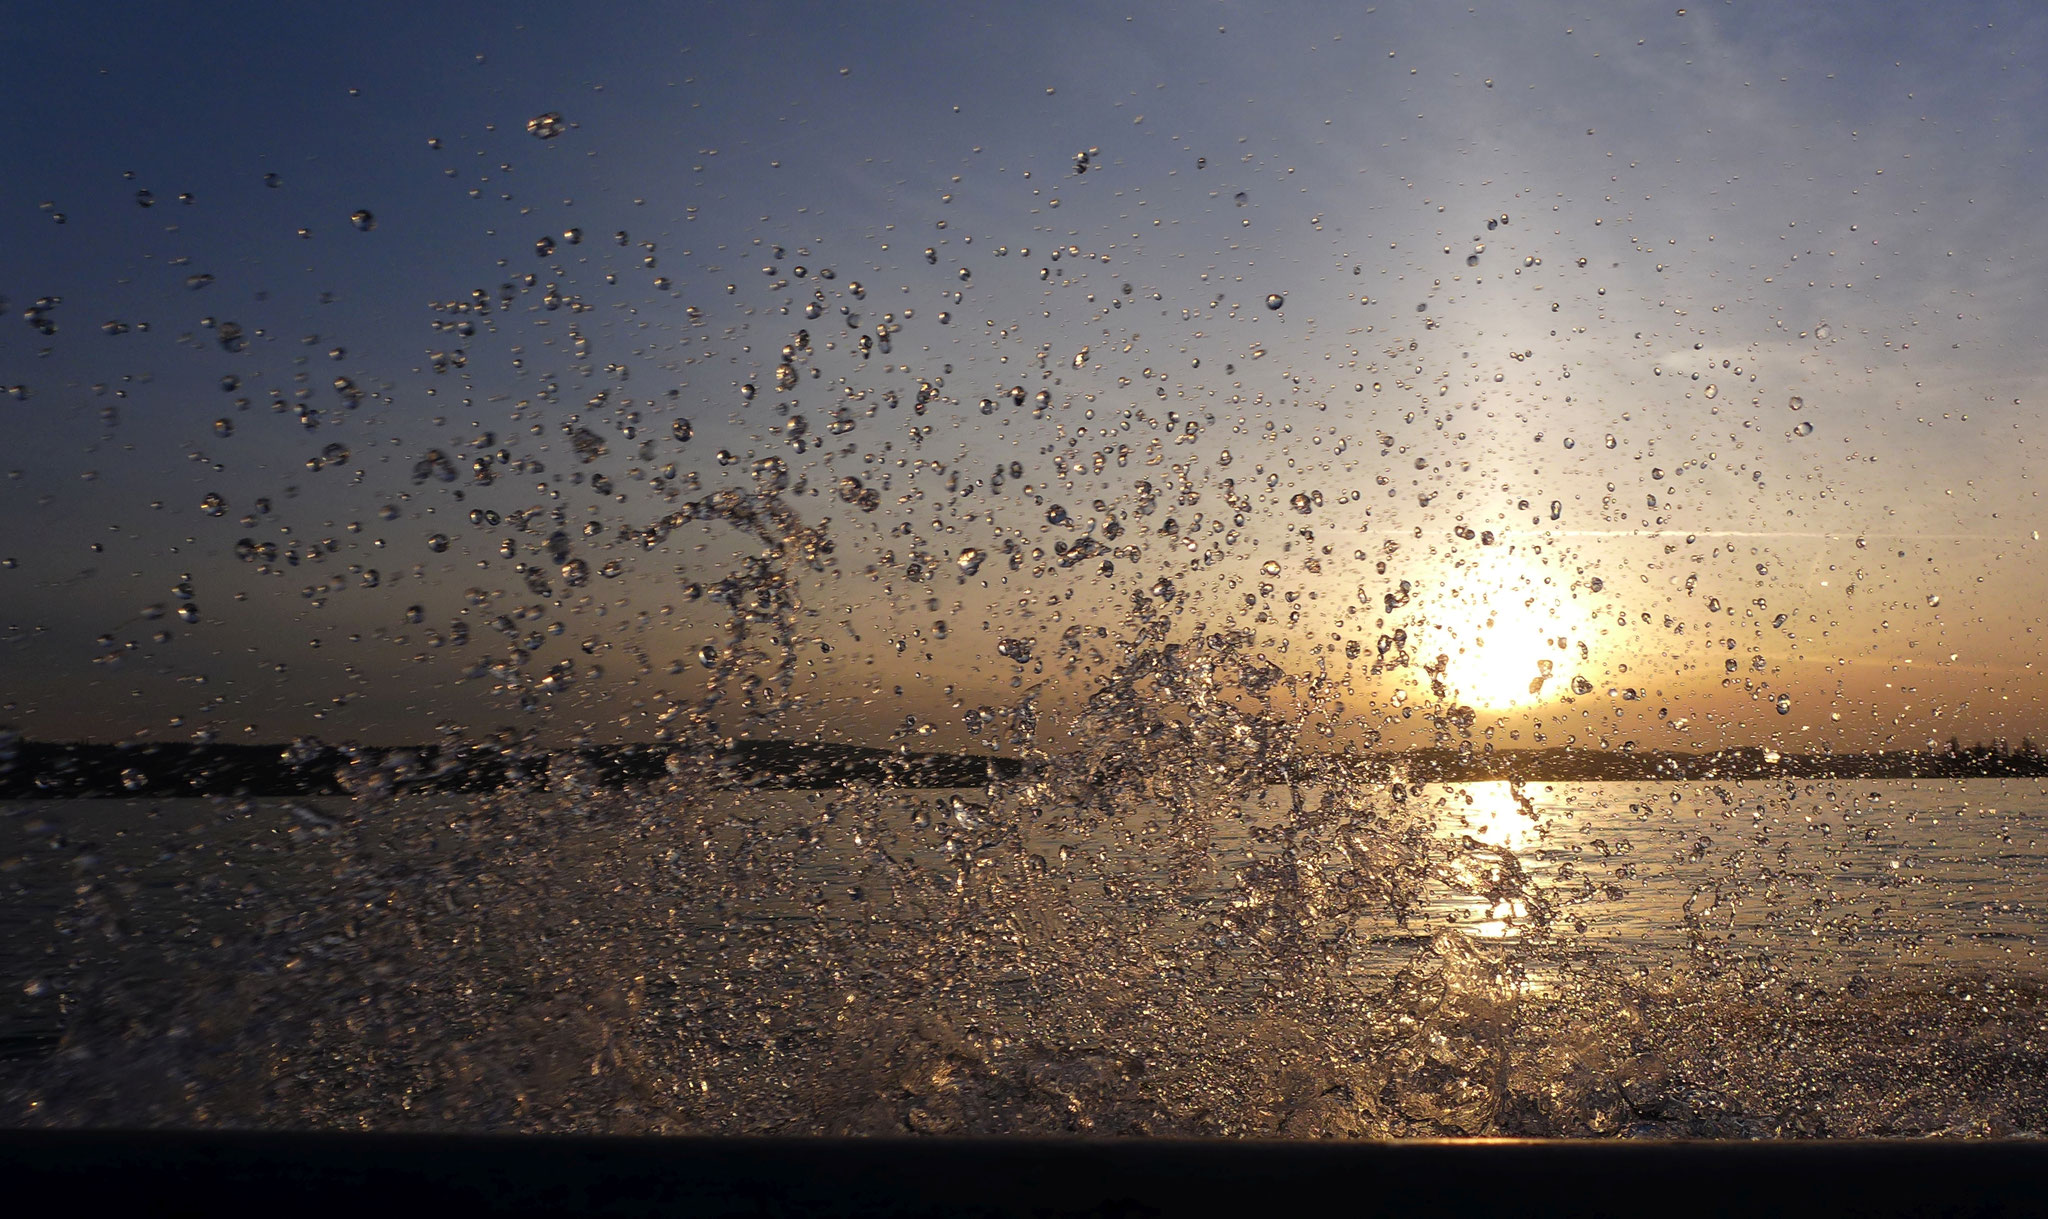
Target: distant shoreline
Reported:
[(45, 770), (48, 770)]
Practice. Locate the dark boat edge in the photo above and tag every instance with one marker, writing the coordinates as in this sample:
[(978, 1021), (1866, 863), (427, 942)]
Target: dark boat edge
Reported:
[(318, 1173)]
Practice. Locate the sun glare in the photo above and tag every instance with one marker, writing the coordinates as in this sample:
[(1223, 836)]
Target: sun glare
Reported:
[(1503, 632)]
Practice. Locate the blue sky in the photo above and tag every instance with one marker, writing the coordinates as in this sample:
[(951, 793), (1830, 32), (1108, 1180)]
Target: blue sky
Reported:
[(1825, 204)]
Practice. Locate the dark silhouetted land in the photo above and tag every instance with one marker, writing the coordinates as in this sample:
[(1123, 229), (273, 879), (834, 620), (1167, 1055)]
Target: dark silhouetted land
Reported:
[(47, 770), (43, 770)]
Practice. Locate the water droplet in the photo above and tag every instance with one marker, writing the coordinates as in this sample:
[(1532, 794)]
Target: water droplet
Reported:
[(546, 126), (1713, 391), (1784, 704), (362, 219), (681, 429), (1056, 515), (1271, 567), (1274, 300), (438, 543), (144, 198), (544, 247), (272, 181), (1301, 503), (1556, 509), (1581, 686), (1803, 428), (772, 473), (1823, 332), (970, 560), (213, 504), (1796, 402)]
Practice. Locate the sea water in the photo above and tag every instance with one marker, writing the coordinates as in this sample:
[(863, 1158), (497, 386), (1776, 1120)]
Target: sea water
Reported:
[(1743, 958)]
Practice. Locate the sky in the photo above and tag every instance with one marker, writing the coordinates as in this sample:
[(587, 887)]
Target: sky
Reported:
[(1668, 373)]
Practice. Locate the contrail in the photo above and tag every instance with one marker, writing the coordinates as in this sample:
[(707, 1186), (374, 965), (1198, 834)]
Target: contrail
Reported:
[(1832, 536)]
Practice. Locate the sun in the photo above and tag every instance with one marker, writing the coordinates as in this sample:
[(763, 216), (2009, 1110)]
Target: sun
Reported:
[(1502, 630)]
